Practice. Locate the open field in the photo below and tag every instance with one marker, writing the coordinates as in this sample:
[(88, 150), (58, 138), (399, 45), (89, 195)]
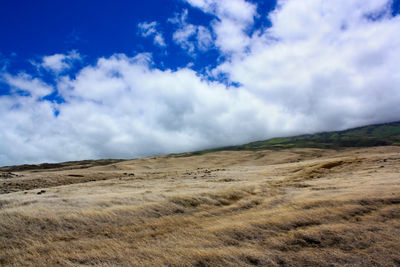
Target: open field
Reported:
[(294, 207)]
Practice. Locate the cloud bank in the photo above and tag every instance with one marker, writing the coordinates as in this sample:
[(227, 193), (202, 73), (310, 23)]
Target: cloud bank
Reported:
[(322, 65)]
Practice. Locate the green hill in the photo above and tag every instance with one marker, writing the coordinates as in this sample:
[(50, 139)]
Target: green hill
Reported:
[(367, 136)]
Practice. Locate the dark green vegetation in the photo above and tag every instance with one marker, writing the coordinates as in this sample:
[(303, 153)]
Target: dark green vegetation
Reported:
[(368, 136)]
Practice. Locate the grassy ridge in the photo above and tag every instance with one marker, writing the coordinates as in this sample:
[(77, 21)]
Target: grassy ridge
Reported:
[(367, 136)]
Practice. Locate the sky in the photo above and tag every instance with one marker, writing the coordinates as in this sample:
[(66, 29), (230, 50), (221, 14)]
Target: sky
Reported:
[(127, 79)]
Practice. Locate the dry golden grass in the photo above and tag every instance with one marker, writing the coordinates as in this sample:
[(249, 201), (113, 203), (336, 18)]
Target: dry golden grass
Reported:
[(299, 207)]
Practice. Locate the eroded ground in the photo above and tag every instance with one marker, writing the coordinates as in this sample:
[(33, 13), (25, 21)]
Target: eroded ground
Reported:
[(294, 207)]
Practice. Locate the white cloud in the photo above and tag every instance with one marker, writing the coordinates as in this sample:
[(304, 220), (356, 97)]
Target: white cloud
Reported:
[(328, 66), (239, 10), (122, 108), (204, 38), (182, 37), (159, 40), (190, 37), (235, 18), (149, 29), (292, 19), (27, 84), (325, 61), (57, 63)]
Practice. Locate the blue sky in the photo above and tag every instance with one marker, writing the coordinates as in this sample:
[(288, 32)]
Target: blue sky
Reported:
[(124, 79), (100, 29)]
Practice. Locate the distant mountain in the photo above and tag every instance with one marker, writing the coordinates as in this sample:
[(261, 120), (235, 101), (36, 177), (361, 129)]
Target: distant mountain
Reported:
[(367, 136)]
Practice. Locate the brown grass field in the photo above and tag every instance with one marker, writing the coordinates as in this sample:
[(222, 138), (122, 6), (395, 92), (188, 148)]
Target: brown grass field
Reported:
[(295, 207)]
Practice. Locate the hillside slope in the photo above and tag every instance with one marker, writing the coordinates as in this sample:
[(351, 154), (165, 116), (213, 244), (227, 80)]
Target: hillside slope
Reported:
[(367, 136)]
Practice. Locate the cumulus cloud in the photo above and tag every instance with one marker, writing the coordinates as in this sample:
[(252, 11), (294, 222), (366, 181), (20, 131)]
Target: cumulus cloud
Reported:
[(149, 29), (322, 65), (191, 37), (58, 63), (235, 18), (123, 108), (25, 84), (326, 61)]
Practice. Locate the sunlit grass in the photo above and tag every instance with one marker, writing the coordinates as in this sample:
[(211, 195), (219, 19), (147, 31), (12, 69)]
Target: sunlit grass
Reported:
[(304, 207)]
